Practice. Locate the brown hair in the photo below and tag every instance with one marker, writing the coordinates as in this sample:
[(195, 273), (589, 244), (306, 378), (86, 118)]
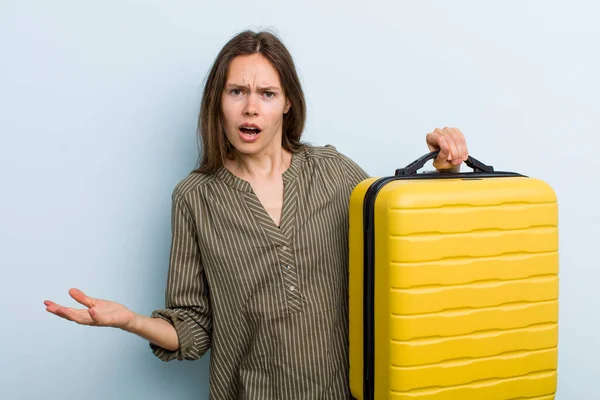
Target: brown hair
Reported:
[(214, 145)]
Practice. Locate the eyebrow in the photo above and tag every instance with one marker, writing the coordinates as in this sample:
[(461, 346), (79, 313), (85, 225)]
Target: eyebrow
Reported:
[(238, 86)]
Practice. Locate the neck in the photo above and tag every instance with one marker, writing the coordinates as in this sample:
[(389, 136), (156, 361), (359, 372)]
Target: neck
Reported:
[(260, 166)]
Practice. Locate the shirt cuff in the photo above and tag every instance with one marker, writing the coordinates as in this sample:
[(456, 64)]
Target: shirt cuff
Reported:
[(187, 333)]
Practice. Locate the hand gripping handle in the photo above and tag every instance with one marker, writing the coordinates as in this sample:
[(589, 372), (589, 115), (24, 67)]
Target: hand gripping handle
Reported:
[(414, 166)]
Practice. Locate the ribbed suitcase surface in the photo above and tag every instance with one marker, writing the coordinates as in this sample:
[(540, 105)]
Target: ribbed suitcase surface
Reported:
[(465, 290)]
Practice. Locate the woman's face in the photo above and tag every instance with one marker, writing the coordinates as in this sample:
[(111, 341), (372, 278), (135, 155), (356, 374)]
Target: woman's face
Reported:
[(253, 105)]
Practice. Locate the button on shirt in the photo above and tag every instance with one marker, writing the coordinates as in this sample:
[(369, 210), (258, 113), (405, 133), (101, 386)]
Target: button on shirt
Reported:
[(271, 302)]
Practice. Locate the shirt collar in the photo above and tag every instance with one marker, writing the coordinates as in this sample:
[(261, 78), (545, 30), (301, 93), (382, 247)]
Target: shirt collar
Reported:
[(244, 186)]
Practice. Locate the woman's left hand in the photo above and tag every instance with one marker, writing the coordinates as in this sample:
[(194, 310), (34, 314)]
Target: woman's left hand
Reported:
[(452, 146)]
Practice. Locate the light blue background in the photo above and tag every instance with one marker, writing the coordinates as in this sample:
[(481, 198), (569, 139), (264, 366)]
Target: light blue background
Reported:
[(98, 108)]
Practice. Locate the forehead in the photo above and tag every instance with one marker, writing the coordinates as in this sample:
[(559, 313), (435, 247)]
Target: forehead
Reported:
[(254, 70)]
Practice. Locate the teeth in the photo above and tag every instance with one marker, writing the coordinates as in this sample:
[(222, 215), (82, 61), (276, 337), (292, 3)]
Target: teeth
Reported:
[(249, 127)]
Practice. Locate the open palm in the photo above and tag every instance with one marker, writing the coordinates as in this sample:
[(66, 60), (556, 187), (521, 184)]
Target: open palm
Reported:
[(98, 312)]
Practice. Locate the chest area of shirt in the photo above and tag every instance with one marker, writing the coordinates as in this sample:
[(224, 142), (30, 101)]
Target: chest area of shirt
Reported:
[(272, 270), (297, 211), (270, 196)]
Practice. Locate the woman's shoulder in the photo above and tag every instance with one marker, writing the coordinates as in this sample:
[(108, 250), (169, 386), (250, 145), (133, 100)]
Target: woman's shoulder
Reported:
[(192, 183), (335, 161), (321, 151), (327, 152)]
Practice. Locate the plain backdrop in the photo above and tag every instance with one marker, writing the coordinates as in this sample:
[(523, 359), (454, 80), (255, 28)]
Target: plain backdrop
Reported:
[(98, 113)]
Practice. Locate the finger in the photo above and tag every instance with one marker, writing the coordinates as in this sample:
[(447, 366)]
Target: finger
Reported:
[(52, 307), (81, 298), (461, 143), (441, 161), (49, 303), (60, 316), (454, 154), (79, 316), (431, 139), (444, 149), (70, 314)]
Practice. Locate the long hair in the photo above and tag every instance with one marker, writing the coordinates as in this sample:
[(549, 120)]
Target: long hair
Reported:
[(214, 145)]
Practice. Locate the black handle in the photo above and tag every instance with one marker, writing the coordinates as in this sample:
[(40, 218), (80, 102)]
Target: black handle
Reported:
[(414, 166)]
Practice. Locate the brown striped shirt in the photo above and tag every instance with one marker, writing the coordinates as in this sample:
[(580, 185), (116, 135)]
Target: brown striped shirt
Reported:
[(271, 302)]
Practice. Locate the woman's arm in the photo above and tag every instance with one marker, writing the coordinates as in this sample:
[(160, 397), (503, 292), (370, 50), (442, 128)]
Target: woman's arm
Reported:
[(107, 313), (155, 330)]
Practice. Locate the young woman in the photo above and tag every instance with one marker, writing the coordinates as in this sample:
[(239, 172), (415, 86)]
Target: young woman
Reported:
[(258, 267)]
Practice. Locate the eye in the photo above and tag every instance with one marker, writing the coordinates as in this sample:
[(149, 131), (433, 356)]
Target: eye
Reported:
[(269, 95), (235, 92)]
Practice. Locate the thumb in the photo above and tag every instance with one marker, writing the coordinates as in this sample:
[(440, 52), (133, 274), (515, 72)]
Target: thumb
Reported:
[(81, 298)]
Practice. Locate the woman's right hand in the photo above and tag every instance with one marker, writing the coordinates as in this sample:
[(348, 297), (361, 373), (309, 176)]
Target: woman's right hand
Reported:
[(98, 313)]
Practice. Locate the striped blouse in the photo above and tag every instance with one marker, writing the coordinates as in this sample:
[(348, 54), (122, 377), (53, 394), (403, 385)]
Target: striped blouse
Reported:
[(271, 302)]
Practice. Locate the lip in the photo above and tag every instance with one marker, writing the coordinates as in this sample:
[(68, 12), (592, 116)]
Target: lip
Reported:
[(249, 138), (250, 126)]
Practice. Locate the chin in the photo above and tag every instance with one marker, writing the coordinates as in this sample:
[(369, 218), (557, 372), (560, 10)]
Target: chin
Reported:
[(254, 148), (247, 148)]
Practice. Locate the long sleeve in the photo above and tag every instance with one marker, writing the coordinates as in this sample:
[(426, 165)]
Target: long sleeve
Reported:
[(277, 322), (187, 294), (352, 171)]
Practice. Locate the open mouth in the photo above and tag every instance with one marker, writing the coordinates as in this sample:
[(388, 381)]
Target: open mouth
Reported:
[(250, 130)]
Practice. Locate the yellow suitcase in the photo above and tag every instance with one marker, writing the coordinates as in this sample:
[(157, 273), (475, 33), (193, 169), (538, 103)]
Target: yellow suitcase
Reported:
[(453, 286)]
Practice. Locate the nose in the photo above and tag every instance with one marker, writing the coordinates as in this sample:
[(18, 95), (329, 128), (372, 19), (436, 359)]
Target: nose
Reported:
[(251, 108)]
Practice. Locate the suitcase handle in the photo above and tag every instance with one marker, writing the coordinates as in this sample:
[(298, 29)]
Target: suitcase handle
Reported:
[(414, 166)]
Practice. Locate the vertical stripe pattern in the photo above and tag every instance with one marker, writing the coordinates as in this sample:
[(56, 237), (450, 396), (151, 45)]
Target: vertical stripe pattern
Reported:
[(271, 302)]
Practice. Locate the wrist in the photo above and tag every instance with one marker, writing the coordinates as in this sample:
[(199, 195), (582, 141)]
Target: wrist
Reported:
[(134, 324)]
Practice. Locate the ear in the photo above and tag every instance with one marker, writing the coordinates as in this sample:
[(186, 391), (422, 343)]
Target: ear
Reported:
[(288, 105)]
